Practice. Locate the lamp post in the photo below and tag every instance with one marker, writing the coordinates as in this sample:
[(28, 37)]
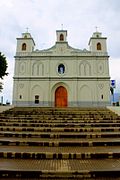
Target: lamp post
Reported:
[(113, 85)]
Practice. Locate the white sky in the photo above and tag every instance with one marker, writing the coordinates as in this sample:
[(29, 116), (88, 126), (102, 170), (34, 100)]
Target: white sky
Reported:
[(44, 17)]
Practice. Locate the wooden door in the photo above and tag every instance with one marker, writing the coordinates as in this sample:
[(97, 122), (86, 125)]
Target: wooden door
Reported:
[(61, 97)]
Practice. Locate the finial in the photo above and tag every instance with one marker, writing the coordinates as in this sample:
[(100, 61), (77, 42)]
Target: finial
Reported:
[(27, 30), (62, 26), (96, 27)]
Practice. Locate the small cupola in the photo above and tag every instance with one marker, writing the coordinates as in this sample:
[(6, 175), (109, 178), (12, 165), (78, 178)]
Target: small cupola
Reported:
[(25, 43), (97, 43), (26, 35), (61, 35)]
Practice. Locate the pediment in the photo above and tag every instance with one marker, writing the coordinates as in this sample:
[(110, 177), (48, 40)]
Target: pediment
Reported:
[(62, 49)]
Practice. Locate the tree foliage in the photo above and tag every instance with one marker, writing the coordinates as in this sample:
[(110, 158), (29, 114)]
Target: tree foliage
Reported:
[(3, 66), (1, 87)]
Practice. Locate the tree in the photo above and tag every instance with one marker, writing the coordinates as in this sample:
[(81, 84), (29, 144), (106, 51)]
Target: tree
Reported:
[(1, 87), (3, 68)]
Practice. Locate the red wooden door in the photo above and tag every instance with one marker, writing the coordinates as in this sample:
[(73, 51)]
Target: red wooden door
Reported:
[(61, 97)]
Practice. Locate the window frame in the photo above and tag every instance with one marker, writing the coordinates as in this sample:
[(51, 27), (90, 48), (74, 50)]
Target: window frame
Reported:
[(24, 46), (61, 37)]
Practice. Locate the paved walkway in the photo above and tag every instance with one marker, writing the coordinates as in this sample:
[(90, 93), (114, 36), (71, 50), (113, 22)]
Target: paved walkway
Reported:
[(115, 109), (4, 108)]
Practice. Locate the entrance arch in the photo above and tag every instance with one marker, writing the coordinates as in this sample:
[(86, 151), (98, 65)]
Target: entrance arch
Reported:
[(61, 97)]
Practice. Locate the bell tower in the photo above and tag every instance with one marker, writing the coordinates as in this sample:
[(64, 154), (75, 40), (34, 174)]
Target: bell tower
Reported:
[(25, 43), (97, 43), (61, 35)]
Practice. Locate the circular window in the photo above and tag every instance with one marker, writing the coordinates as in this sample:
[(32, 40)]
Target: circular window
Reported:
[(61, 69)]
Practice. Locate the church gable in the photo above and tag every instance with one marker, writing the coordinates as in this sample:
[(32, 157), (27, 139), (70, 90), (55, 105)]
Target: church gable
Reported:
[(62, 49)]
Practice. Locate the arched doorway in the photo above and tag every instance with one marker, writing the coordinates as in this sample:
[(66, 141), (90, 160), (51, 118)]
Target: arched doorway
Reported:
[(61, 97)]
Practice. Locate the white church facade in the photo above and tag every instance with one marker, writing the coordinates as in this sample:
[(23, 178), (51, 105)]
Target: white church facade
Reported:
[(61, 76)]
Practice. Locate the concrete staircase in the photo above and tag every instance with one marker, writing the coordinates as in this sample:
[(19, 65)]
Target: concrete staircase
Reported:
[(66, 143)]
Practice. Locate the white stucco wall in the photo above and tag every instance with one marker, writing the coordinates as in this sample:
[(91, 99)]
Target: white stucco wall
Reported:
[(86, 76)]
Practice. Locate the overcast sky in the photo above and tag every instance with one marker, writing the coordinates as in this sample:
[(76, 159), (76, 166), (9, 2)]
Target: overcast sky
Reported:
[(44, 17)]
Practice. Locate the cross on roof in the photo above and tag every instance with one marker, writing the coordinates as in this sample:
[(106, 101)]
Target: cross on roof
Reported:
[(62, 26), (27, 29), (96, 27)]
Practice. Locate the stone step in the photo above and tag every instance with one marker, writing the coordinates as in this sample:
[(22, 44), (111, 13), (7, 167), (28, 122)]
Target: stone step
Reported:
[(52, 124), (26, 152), (64, 178), (60, 134), (59, 142), (55, 109), (60, 112), (70, 149), (73, 169), (60, 129), (48, 116), (71, 113), (46, 155), (38, 120)]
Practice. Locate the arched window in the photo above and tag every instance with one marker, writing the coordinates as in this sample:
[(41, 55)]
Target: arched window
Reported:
[(36, 99), (61, 69), (61, 37), (99, 46), (23, 46), (20, 96)]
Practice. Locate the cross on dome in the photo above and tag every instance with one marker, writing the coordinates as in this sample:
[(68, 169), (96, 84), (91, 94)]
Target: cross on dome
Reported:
[(96, 27), (61, 26), (27, 30)]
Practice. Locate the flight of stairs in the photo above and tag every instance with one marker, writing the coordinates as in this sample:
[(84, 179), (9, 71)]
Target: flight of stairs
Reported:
[(59, 143)]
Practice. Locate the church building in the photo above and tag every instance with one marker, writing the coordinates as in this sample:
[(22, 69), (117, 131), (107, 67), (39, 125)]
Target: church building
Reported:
[(61, 76)]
